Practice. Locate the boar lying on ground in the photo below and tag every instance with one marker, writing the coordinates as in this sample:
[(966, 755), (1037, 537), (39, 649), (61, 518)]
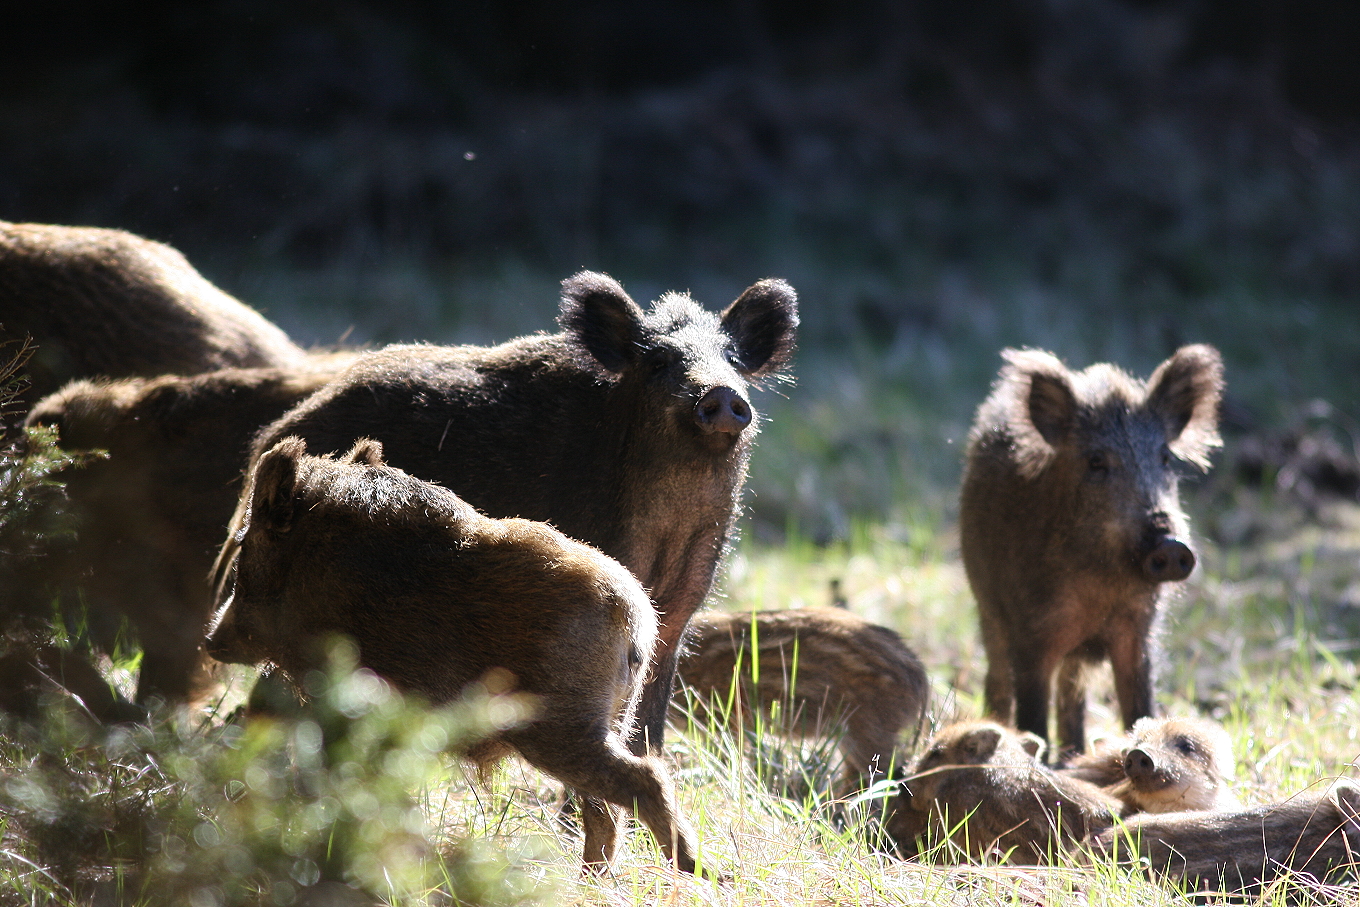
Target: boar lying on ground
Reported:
[(1071, 526), (1164, 765), (105, 302), (150, 518), (629, 430), (979, 791), (1316, 835), (827, 672), (435, 596)]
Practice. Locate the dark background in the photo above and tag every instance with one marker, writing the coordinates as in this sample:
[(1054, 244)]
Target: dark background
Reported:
[(1104, 178)]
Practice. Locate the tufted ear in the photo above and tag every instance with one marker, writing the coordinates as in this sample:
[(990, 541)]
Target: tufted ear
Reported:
[(763, 327), (1033, 744), (1042, 406), (271, 500), (1185, 392), (365, 452), (602, 323), (981, 743)]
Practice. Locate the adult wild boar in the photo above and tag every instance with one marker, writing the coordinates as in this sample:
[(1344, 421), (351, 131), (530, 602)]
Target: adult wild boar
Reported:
[(436, 596), (809, 672), (629, 430), (1071, 525), (150, 518), (106, 302)]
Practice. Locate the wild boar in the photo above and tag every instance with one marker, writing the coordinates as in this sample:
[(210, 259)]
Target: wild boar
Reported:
[(149, 519), (813, 672), (629, 430), (1071, 526), (108, 303), (980, 792), (1164, 765), (1313, 837), (436, 596)]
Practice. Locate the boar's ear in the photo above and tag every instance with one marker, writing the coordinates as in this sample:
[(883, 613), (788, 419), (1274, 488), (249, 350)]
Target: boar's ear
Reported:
[(365, 452), (981, 742), (1033, 744), (1041, 407), (1184, 392), (763, 325), (1346, 796), (602, 323), (271, 502)]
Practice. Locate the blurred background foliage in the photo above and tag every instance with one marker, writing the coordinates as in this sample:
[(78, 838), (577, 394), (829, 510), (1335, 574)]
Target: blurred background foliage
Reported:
[(1104, 178)]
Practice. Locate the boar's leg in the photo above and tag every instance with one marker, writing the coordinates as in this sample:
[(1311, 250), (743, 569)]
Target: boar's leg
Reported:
[(600, 822), (654, 707), (1032, 673), (1132, 664), (601, 767), (999, 688), (1071, 706)]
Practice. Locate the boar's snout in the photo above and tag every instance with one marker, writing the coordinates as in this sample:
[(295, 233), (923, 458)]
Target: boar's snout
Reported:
[(1139, 764), (1169, 561), (723, 410)]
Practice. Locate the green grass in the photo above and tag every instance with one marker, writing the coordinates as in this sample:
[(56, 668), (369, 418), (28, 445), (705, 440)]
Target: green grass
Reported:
[(364, 793)]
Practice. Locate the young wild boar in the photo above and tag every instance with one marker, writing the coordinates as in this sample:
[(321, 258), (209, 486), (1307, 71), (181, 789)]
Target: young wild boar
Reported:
[(980, 792), (629, 430), (1312, 835), (1071, 526), (107, 303), (435, 596), (827, 673), (150, 517), (1164, 765)]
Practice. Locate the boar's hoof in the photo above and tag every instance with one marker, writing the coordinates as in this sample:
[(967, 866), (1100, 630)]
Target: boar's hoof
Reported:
[(723, 410), (1170, 561)]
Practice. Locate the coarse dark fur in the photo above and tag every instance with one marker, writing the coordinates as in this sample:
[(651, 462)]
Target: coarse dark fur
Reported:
[(629, 430), (1164, 765), (1071, 526), (107, 303), (1312, 837), (815, 672), (980, 792), (149, 519), (435, 596)]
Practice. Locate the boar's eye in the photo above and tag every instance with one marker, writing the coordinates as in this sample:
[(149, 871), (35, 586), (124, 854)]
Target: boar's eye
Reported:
[(1185, 746), (1098, 461), (1166, 456)]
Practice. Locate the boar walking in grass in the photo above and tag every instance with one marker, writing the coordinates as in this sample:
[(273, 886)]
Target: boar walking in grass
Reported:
[(150, 517), (1310, 838), (815, 672), (102, 302), (980, 792), (1164, 765), (1071, 526), (629, 429), (436, 596)]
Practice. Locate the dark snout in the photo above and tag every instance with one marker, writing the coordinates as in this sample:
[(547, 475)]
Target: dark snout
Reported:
[(1139, 764), (1169, 561), (723, 410)]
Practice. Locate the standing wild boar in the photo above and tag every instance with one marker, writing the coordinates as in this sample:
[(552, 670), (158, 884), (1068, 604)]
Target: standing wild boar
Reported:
[(107, 303), (150, 518), (1164, 765), (980, 792), (1071, 526), (816, 672), (629, 430), (1310, 835), (435, 596)]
